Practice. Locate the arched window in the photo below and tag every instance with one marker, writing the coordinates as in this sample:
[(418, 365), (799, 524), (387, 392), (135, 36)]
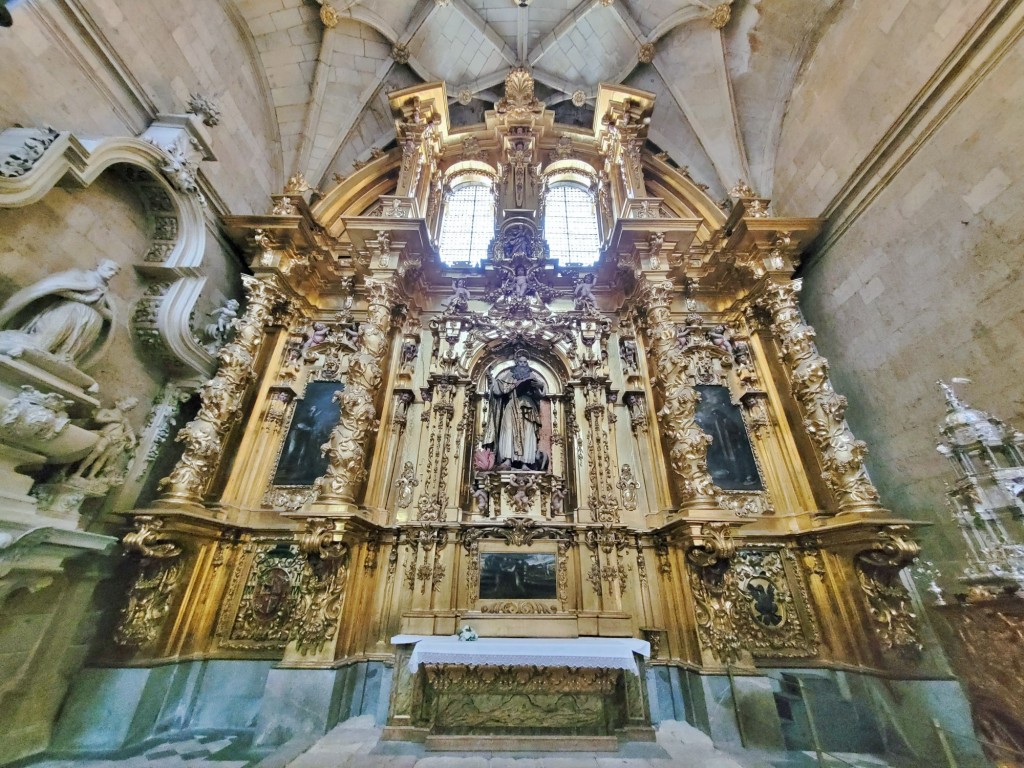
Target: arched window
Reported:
[(467, 226), (570, 224)]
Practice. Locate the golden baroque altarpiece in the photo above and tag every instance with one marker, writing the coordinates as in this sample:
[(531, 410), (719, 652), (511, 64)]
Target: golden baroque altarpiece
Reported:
[(655, 437)]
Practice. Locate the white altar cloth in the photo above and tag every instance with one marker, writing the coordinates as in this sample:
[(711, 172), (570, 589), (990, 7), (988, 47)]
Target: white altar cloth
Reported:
[(577, 652)]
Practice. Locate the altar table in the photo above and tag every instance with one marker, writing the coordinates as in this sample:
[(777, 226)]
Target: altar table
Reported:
[(578, 652), (519, 693)]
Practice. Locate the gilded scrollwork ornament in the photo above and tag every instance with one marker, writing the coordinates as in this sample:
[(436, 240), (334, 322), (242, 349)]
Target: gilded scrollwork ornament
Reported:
[(888, 600), (149, 598), (148, 541), (322, 594)]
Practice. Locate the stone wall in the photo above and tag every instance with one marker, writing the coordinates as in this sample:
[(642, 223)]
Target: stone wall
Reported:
[(925, 283), (863, 73), (141, 59), (76, 228)]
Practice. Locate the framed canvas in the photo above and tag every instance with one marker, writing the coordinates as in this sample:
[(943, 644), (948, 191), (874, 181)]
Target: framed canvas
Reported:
[(315, 415), (730, 457), (518, 576)]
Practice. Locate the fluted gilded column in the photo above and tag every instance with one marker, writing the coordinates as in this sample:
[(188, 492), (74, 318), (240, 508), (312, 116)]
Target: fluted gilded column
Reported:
[(824, 410), (221, 396), (346, 448), (688, 444)]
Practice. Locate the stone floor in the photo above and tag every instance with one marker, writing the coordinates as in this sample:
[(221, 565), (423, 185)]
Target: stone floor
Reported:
[(356, 744)]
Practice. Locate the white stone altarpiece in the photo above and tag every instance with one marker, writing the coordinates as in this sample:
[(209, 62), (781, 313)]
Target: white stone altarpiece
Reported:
[(647, 447)]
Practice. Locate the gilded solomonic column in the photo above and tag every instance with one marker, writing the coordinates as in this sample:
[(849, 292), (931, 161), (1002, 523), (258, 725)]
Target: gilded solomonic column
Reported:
[(221, 396), (687, 442), (824, 410), (346, 448)]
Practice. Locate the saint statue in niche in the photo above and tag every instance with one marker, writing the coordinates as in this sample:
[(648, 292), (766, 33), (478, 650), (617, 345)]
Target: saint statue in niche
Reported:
[(68, 315), (514, 422)]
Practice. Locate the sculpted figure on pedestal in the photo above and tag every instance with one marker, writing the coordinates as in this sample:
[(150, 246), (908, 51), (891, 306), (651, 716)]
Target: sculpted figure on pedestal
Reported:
[(223, 322), (583, 295), (515, 417), (68, 315), (109, 455)]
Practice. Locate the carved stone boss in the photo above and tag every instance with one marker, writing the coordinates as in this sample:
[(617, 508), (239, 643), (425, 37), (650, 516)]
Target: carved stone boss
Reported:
[(221, 397)]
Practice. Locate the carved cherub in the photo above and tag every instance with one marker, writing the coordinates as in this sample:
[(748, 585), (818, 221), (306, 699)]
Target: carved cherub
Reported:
[(459, 300), (721, 338), (558, 494), (108, 456), (682, 336), (523, 487), (482, 499), (224, 319), (628, 352), (583, 295), (410, 349), (316, 336)]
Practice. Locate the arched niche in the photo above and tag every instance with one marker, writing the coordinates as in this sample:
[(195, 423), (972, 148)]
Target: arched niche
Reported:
[(518, 404), (169, 265)]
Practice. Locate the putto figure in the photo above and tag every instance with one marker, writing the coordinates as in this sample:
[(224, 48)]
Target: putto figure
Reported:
[(583, 295), (111, 453), (459, 300), (514, 417), (68, 315)]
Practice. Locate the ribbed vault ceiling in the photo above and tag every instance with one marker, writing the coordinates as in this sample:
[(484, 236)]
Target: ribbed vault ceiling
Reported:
[(722, 74)]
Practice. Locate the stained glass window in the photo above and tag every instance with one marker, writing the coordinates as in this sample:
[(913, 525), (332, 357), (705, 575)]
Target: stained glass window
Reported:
[(570, 225), (468, 225)]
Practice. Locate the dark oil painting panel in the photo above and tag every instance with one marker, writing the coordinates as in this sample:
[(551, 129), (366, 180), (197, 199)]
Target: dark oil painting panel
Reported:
[(315, 416), (730, 457), (517, 576)]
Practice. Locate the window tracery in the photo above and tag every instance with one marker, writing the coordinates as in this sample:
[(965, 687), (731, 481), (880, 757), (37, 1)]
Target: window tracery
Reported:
[(570, 224), (467, 224)]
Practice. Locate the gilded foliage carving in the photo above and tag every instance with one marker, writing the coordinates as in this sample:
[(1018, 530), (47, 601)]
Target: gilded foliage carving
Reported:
[(322, 594), (148, 602), (824, 411), (888, 601), (346, 447), (687, 442), (149, 597), (430, 571), (524, 607), (221, 396)]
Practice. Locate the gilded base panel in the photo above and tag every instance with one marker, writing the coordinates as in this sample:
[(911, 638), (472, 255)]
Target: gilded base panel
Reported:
[(512, 702), (523, 743)]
